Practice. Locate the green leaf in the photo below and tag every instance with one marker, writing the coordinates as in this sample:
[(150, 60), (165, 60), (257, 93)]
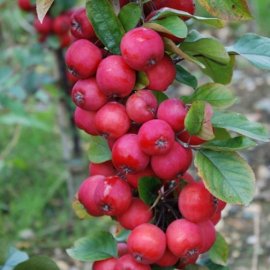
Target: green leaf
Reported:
[(218, 72), (148, 189), (106, 24), (183, 76), (160, 96), (212, 266), (37, 262), (142, 80), (215, 94), (233, 144), (255, 48), (221, 134), (130, 15), (166, 12), (95, 247), (207, 47), (122, 236), (231, 10), (195, 117), (219, 252), (171, 25), (240, 124), (99, 150), (226, 175)]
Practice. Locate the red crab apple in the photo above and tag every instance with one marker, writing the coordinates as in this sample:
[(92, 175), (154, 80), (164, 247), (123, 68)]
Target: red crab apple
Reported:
[(185, 137), (142, 106), (122, 249), (133, 178), (44, 27), (208, 234), (107, 264), (81, 26), (156, 137), (173, 111), (127, 155), (161, 75), (111, 120), (105, 168), (82, 58), (137, 214), (173, 163), (61, 24), (26, 5), (113, 196), (168, 259), (196, 203), (87, 95), (65, 40), (86, 194), (126, 262), (142, 48), (147, 243), (115, 77), (183, 238), (85, 120)]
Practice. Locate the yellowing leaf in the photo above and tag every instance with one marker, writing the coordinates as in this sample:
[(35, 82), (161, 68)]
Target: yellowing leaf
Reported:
[(43, 7)]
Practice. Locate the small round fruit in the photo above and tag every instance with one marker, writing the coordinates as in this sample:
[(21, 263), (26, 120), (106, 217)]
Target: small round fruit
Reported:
[(111, 120), (107, 264), (126, 262), (65, 40), (190, 258), (61, 24), (142, 106), (113, 196), (133, 178), (196, 203), (105, 168), (185, 137), (216, 218), (122, 249), (208, 234), (86, 194), (81, 26), (87, 95), (147, 243), (115, 77), (173, 111), (26, 5), (137, 214), (173, 163), (142, 48), (127, 156), (161, 75), (156, 137), (168, 259), (85, 120), (183, 238), (44, 28), (82, 58)]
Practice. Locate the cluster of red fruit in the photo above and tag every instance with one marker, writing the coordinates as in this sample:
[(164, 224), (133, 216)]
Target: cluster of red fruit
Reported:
[(146, 139)]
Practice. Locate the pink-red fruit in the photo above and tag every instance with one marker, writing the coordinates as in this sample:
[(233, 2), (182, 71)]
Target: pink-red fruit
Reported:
[(126, 262), (105, 168), (108, 264)]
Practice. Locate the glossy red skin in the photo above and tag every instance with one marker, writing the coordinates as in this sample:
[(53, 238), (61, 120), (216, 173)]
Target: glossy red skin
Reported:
[(216, 218), (220, 204), (115, 77), (65, 40), (142, 48), (126, 262), (81, 26), (77, 55), (112, 120), (113, 196), (175, 162), (86, 194), (26, 5), (87, 95), (127, 156), (85, 120), (105, 168), (71, 79), (168, 259), (133, 179), (108, 264), (188, 259), (147, 243), (185, 137), (138, 213), (183, 238), (161, 75), (45, 27), (122, 249), (196, 203), (208, 234), (156, 137), (188, 178), (142, 106), (61, 24), (173, 111)]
